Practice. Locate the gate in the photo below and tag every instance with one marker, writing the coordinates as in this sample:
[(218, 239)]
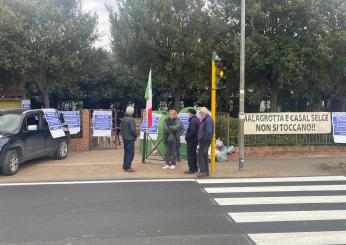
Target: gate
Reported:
[(104, 142)]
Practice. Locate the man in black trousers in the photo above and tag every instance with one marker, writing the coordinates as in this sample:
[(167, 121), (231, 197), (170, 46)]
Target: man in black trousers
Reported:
[(128, 130), (191, 138)]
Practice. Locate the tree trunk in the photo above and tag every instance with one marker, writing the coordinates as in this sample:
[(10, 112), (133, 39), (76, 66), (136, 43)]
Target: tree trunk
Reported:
[(46, 99), (343, 104), (275, 87), (274, 93), (177, 102)]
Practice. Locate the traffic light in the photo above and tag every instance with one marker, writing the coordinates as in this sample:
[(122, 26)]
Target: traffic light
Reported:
[(220, 74)]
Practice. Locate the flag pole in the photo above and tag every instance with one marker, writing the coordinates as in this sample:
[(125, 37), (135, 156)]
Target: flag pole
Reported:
[(148, 97), (144, 146)]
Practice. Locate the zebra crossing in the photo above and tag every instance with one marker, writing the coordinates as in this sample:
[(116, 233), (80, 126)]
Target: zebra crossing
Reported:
[(284, 211)]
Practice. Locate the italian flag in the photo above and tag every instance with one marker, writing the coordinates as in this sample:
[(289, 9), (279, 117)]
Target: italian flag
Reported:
[(148, 96)]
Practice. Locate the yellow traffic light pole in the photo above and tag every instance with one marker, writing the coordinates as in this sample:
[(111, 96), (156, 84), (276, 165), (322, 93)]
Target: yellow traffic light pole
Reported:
[(213, 111)]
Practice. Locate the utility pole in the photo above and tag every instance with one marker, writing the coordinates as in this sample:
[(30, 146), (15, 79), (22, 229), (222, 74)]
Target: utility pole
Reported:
[(242, 89)]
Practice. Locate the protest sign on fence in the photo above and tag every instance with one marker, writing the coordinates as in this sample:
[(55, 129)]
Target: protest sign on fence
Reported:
[(102, 124), (339, 127), (54, 123), (26, 104), (153, 131), (184, 118), (288, 123), (72, 119)]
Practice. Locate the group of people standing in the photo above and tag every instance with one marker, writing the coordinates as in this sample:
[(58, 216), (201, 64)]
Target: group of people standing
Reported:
[(198, 137)]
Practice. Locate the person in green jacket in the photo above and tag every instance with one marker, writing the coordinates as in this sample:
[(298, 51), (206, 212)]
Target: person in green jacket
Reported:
[(172, 127)]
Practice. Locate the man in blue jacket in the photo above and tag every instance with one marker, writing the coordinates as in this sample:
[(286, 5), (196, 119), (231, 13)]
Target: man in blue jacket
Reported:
[(205, 136)]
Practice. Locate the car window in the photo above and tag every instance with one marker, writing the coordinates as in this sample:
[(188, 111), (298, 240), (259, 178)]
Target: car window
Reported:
[(10, 123), (31, 120)]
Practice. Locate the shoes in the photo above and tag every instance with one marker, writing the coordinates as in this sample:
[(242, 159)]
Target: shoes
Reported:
[(172, 167), (178, 160), (202, 175), (166, 167), (129, 170), (189, 172)]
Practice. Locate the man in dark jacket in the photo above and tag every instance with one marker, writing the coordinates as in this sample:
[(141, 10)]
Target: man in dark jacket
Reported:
[(171, 129), (191, 138), (128, 131), (205, 136)]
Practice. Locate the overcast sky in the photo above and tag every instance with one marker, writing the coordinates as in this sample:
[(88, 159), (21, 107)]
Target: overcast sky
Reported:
[(99, 7)]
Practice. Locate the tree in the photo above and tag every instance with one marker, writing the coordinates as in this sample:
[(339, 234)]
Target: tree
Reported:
[(168, 36), (287, 50), (59, 36), (13, 53), (334, 15)]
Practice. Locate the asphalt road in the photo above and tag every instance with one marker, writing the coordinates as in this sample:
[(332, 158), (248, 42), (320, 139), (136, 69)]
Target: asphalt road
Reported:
[(262, 211), (156, 213)]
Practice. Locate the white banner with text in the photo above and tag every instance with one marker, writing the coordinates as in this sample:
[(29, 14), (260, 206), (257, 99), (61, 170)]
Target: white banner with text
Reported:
[(288, 123)]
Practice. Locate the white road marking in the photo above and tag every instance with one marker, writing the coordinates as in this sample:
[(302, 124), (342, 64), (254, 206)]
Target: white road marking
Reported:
[(300, 238), (280, 200), (288, 216), (264, 180), (95, 182), (276, 188)]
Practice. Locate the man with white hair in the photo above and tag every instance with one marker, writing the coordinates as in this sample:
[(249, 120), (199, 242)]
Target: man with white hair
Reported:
[(128, 130), (205, 136)]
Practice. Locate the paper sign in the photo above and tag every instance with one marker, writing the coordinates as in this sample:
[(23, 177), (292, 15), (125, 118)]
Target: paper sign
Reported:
[(153, 131), (54, 123), (184, 118), (339, 127), (26, 104), (72, 119), (102, 124)]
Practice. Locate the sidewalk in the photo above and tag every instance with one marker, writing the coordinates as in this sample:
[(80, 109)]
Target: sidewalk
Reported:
[(107, 164)]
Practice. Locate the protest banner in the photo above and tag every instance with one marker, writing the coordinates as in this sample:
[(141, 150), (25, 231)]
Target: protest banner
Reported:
[(54, 123), (102, 124), (153, 131), (339, 127), (72, 119), (288, 123), (26, 104)]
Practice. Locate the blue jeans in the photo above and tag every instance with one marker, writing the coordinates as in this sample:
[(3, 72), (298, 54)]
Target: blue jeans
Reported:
[(129, 153)]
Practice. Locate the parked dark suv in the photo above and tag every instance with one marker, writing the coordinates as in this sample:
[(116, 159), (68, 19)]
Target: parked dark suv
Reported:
[(24, 135)]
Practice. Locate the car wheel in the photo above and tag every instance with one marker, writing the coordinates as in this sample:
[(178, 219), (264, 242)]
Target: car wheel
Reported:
[(11, 163), (62, 150)]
